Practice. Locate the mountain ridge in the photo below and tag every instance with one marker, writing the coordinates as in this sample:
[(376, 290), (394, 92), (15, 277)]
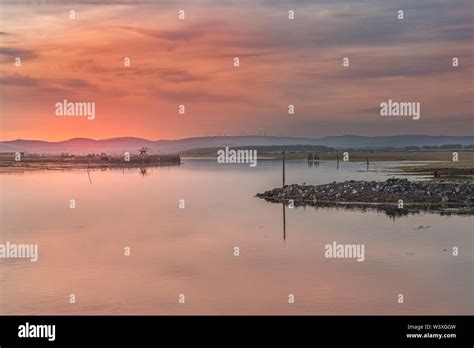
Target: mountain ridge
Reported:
[(82, 145)]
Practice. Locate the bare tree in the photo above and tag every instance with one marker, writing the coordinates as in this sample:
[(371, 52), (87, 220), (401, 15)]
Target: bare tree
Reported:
[(143, 153)]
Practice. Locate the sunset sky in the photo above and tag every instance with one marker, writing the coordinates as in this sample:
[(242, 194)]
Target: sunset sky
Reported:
[(190, 62)]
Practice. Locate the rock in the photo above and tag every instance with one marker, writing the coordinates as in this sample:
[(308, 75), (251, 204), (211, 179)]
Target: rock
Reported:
[(447, 195)]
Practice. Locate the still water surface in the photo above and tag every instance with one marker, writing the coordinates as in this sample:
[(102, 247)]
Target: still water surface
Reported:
[(191, 251)]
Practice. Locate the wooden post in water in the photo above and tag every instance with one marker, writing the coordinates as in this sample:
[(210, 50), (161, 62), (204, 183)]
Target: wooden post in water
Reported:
[(283, 168)]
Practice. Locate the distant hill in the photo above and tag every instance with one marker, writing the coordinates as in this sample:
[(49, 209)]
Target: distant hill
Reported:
[(272, 149), (131, 144)]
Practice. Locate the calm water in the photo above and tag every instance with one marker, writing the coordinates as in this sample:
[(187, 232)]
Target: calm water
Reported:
[(190, 251)]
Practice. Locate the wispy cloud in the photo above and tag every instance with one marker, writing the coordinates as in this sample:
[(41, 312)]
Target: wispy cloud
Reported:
[(281, 62), (13, 52)]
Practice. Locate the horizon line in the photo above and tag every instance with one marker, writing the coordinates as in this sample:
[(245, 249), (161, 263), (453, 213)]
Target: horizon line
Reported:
[(240, 136)]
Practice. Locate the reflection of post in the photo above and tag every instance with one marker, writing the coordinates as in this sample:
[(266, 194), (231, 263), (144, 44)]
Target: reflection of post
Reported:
[(367, 163), (284, 222), (283, 168), (88, 165)]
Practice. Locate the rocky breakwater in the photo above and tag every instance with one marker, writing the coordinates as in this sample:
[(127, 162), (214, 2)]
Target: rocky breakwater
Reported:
[(394, 196)]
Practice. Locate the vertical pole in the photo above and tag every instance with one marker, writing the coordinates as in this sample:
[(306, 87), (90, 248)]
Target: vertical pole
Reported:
[(283, 168)]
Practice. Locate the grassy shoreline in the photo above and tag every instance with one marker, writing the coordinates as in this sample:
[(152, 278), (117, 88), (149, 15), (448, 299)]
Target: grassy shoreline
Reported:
[(431, 161), (69, 162), (444, 171), (355, 155)]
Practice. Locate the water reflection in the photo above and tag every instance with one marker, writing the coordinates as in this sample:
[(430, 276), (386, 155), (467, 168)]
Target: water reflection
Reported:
[(190, 250), (389, 210), (284, 222), (89, 175)]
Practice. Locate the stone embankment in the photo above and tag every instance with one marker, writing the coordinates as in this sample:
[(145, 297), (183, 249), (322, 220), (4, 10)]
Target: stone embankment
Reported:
[(442, 197)]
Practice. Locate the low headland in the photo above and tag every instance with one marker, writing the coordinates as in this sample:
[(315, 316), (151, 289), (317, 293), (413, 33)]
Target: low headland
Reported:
[(393, 196), (27, 162)]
